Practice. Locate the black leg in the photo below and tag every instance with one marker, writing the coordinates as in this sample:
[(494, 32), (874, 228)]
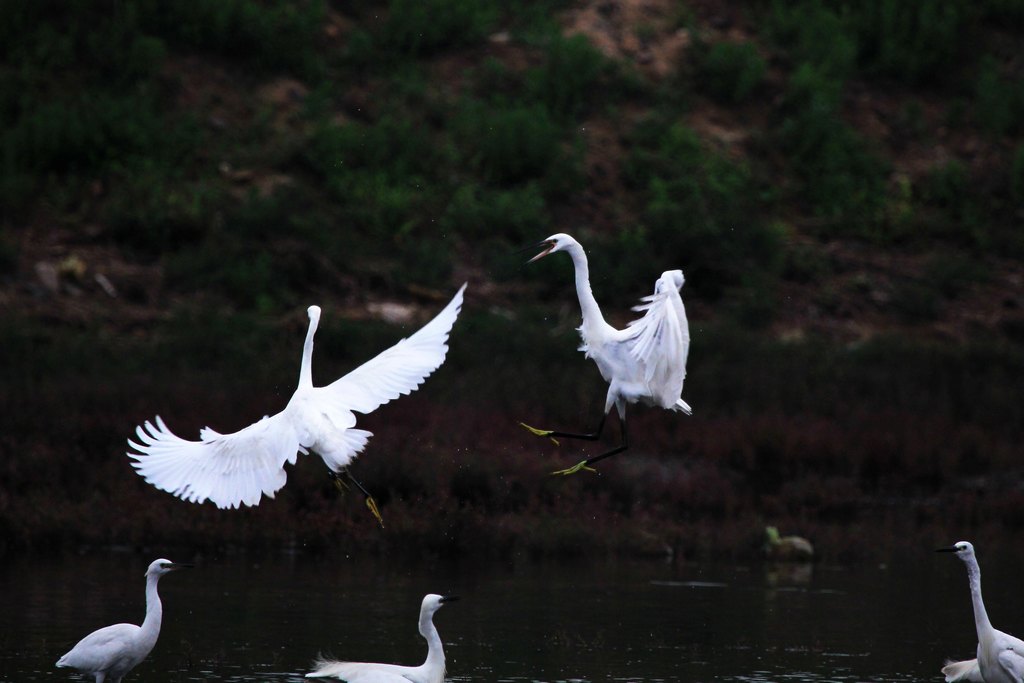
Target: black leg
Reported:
[(586, 464), (592, 436), (370, 502), (551, 433), (615, 451)]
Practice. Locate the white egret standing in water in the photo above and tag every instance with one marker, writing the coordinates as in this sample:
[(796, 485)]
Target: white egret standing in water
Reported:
[(111, 652), (1000, 655), (645, 363), (431, 671), (237, 468)]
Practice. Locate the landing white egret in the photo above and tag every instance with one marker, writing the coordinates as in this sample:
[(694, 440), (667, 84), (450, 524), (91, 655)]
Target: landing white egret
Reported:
[(1000, 655), (111, 652), (237, 468), (431, 671), (645, 363)]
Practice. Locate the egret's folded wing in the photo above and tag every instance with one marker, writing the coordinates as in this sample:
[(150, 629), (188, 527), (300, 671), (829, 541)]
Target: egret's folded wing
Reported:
[(1013, 663), (966, 670), (98, 649), (400, 369), (661, 340), (227, 469)]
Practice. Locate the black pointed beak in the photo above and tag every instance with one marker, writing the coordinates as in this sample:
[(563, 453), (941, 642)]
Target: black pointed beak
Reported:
[(178, 565), (952, 549), (448, 598), (549, 245)]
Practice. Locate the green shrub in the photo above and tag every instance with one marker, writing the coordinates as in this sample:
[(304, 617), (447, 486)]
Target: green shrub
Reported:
[(568, 78), (494, 82), (244, 275), (155, 210), (508, 144), (804, 263), (812, 32), (916, 302), (87, 131), (398, 147), (842, 179), (419, 27), (912, 41), (702, 211), (1017, 175), (948, 186), (952, 273), (731, 72), (950, 193), (8, 253), (998, 101), (425, 260), (267, 35), (517, 214), (534, 22)]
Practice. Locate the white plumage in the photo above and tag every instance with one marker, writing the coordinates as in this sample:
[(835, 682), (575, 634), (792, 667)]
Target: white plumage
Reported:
[(111, 652), (644, 363), (1000, 655), (966, 670), (240, 468), (431, 671)]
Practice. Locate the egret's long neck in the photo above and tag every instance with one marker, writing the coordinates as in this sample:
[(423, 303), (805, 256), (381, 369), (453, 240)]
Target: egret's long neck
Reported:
[(588, 304), (154, 611), (981, 621), (306, 368), (435, 651)]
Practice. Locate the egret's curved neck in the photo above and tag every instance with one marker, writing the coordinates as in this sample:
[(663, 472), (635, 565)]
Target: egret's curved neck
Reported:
[(306, 368), (588, 304), (981, 621), (154, 610), (435, 651)]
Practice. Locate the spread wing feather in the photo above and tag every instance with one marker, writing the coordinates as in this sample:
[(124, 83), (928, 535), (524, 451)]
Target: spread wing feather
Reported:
[(661, 339), (360, 672), (227, 469), (966, 670), (398, 370)]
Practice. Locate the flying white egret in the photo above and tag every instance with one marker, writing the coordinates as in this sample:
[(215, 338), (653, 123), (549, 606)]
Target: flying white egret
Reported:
[(645, 363), (431, 671), (1000, 655), (111, 652), (237, 468)]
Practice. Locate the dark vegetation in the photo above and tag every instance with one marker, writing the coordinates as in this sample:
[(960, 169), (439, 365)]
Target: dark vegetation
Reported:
[(843, 185)]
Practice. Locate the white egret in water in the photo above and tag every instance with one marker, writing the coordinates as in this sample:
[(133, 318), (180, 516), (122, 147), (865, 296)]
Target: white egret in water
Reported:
[(231, 469), (645, 363), (111, 652), (431, 671), (1000, 655)]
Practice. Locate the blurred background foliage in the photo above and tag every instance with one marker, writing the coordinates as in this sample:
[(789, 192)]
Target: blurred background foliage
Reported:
[(842, 183)]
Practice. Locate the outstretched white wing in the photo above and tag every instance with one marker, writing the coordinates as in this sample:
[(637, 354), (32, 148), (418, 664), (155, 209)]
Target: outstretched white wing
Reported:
[(966, 670), (227, 469), (397, 371), (363, 672), (661, 339)]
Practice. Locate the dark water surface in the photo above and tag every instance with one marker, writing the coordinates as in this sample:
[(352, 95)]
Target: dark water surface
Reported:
[(238, 619)]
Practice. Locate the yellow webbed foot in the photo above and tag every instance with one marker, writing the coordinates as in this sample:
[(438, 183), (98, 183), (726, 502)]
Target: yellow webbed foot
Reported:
[(339, 483), (540, 432), (582, 465), (374, 510)]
